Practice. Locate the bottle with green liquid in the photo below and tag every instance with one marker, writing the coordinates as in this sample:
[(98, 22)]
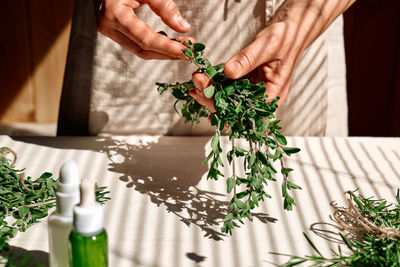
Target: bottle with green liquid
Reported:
[(88, 239)]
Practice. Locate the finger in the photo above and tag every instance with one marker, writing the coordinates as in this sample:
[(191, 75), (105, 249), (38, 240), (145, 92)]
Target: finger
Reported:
[(183, 39), (200, 81), (247, 59), (129, 45), (169, 14), (125, 21)]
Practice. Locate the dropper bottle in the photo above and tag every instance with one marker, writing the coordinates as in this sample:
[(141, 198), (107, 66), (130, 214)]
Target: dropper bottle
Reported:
[(60, 221), (88, 239)]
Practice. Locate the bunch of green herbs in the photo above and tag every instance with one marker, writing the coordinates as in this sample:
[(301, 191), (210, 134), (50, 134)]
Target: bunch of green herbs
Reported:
[(369, 249), (24, 200), (243, 110)]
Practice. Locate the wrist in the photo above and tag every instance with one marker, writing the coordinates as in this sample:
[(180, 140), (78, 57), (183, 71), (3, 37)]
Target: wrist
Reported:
[(303, 21)]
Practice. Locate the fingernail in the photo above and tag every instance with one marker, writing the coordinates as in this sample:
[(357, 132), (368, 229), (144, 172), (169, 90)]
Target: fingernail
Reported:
[(235, 67), (181, 21)]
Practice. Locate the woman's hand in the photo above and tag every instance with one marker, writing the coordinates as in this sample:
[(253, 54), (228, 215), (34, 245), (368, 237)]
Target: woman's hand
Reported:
[(275, 51), (117, 20)]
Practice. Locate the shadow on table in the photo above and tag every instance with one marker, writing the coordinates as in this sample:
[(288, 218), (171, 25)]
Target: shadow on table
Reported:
[(167, 169), (25, 258)]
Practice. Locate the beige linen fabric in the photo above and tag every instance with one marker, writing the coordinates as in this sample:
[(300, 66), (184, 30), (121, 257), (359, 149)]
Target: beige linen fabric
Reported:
[(124, 99)]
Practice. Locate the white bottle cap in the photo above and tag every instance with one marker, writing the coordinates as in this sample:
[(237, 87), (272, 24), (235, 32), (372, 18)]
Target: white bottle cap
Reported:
[(67, 195), (88, 215)]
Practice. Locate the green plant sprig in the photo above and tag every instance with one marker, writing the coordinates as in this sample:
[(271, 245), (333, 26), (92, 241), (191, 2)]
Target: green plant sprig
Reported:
[(25, 200), (369, 249), (243, 110)]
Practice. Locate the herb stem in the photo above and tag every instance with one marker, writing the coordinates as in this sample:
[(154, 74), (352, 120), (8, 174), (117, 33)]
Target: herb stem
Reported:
[(233, 165)]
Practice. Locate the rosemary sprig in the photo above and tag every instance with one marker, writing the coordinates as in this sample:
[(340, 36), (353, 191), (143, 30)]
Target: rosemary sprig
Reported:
[(242, 111), (372, 236)]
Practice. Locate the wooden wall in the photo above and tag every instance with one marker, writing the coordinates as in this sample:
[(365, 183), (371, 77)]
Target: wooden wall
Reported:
[(372, 36), (33, 49)]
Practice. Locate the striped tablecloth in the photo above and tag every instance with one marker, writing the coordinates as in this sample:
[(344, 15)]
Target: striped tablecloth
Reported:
[(163, 211)]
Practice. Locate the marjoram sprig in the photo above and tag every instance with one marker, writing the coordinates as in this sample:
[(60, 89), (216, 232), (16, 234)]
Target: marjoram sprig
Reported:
[(243, 110)]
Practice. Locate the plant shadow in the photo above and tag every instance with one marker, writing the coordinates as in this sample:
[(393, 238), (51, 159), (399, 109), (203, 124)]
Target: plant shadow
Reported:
[(168, 170), (16, 256)]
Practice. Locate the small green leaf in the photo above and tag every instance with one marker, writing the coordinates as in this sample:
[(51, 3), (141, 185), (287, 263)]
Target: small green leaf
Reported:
[(240, 204), (218, 96), (291, 185), (215, 142), (230, 183), (252, 159), (214, 119), (281, 139), (286, 171), (229, 90), (199, 46), (228, 217), (260, 92), (254, 198), (290, 150), (211, 71), (188, 52), (284, 189), (209, 91), (23, 211), (208, 158), (219, 66)]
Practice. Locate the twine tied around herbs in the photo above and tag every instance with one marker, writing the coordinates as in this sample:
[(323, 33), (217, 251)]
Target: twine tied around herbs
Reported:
[(351, 220), (4, 151)]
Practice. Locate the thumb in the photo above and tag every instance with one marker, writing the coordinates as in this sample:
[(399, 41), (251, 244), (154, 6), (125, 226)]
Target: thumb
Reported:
[(169, 13), (246, 60)]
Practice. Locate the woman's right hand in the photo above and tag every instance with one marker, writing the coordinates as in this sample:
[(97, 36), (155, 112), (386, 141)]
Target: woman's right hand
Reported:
[(117, 20)]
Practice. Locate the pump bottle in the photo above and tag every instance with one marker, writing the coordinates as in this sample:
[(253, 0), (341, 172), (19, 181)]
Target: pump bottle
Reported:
[(60, 221), (88, 239)]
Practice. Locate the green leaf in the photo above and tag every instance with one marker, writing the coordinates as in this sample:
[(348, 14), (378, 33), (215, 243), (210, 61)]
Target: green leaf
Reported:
[(281, 139), (239, 152), (228, 217), (23, 211), (264, 126), (230, 183), (240, 204), (242, 194), (229, 90), (284, 189), (252, 159), (188, 52), (286, 171), (214, 119), (218, 96), (211, 71), (209, 91), (219, 66), (254, 198), (260, 92), (199, 46), (290, 150), (291, 185), (208, 158), (261, 156), (215, 142)]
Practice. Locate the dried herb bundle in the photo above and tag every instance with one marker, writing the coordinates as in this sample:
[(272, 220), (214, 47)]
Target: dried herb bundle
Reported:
[(370, 230), (243, 110)]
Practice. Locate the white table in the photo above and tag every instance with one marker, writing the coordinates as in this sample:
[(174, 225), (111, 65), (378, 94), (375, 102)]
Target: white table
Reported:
[(163, 212)]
